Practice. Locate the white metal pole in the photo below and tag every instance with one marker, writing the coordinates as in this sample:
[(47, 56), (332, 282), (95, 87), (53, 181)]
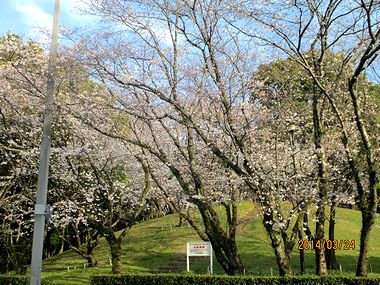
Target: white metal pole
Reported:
[(43, 173)]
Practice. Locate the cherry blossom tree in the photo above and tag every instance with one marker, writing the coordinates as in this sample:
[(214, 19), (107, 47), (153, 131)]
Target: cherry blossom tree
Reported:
[(289, 87), (109, 194), (19, 109), (155, 74), (189, 107), (188, 98), (96, 185), (306, 32)]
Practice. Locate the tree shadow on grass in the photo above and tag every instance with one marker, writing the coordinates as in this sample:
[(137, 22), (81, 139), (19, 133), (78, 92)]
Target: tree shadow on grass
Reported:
[(256, 264), (266, 264), (161, 262)]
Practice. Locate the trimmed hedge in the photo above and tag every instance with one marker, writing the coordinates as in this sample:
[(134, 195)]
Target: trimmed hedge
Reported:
[(13, 280), (171, 279)]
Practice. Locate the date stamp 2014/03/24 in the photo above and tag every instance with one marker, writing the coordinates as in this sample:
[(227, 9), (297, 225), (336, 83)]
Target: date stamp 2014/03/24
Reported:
[(343, 244)]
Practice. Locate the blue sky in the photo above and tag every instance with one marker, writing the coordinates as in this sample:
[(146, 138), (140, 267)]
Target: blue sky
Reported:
[(27, 17)]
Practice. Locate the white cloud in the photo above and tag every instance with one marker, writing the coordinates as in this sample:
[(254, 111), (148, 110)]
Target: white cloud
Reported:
[(33, 15), (34, 18), (37, 23)]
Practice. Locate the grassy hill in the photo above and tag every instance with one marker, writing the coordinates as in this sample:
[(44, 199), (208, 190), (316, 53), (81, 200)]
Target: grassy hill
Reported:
[(159, 246)]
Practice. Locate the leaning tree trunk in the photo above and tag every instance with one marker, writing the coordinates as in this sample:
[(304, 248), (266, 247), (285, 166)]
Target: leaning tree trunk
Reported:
[(227, 254), (92, 260), (224, 243), (223, 240), (88, 251), (282, 258)]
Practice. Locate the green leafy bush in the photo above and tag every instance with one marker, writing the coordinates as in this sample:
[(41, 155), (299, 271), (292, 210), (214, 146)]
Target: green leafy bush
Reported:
[(16, 280), (168, 279), (5, 280)]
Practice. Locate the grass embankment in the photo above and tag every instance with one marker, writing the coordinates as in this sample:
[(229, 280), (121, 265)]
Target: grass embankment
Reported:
[(159, 246)]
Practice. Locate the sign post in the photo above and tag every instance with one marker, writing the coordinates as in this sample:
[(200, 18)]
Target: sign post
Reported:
[(199, 249)]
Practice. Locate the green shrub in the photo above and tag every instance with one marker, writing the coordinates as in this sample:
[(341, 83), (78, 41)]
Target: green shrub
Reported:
[(168, 279), (17, 280), (5, 280)]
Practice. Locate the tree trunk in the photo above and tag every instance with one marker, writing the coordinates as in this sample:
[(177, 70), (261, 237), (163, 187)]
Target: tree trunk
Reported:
[(321, 268), (62, 248), (331, 261), (368, 219), (302, 252), (87, 253), (224, 243), (115, 248), (92, 243), (92, 261), (180, 221), (282, 258), (320, 259), (227, 255)]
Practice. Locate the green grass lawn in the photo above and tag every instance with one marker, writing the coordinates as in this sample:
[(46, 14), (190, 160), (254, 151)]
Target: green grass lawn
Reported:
[(159, 246)]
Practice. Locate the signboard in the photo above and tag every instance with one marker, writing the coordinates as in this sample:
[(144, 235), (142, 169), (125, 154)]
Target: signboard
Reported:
[(199, 249)]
